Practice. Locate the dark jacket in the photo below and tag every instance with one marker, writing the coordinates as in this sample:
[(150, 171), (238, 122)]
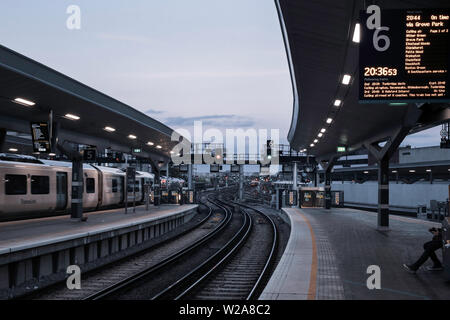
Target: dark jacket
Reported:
[(438, 237)]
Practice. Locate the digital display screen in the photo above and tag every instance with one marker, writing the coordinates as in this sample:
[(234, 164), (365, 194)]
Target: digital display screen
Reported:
[(214, 168), (404, 56), (40, 135), (235, 168)]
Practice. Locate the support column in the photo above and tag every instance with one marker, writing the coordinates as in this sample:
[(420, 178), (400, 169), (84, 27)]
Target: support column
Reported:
[(157, 187), (327, 189), (2, 139), (241, 182), (190, 176), (383, 193), (327, 166), (383, 154), (77, 188), (167, 169), (294, 176)]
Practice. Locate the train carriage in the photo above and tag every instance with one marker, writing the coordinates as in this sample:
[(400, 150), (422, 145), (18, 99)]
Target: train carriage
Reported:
[(33, 188)]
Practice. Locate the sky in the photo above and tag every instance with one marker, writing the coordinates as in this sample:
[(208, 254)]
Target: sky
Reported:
[(221, 62)]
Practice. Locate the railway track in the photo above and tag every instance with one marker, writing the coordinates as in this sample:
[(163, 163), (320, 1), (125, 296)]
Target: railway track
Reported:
[(97, 280), (219, 263), (242, 273), (130, 287)]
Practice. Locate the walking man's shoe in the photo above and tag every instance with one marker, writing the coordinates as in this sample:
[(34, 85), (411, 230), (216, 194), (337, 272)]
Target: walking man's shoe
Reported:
[(409, 268)]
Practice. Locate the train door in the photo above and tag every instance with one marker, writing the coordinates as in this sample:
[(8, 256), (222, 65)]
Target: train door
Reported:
[(61, 190)]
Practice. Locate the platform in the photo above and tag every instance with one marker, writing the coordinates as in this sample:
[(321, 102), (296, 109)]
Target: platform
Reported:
[(34, 251), (329, 251)]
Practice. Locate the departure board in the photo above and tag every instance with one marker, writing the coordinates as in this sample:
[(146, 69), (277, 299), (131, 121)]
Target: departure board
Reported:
[(404, 56), (40, 137)]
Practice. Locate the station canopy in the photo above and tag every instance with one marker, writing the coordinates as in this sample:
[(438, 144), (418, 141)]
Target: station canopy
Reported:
[(29, 90), (320, 49)]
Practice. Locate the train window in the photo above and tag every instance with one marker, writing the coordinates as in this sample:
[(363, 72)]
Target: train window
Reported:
[(114, 185), (90, 185), (15, 184), (40, 185)]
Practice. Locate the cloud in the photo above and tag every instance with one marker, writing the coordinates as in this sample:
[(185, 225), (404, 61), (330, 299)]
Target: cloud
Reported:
[(217, 121), (153, 111)]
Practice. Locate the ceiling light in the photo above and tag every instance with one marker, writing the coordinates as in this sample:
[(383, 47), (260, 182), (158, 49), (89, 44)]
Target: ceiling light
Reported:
[(428, 170), (320, 135), (315, 140), (357, 33), (52, 154), (311, 145), (346, 79), (72, 116), (132, 136), (323, 130), (150, 143), (110, 129), (13, 149), (24, 102), (337, 102), (366, 172), (159, 147), (412, 171), (329, 120), (394, 171)]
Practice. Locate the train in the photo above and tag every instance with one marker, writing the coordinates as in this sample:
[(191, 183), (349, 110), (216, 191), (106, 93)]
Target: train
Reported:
[(32, 187)]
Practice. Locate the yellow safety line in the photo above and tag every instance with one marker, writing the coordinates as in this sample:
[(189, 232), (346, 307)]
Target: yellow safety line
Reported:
[(313, 275)]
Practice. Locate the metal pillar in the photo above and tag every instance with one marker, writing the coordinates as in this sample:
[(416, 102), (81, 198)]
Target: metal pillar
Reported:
[(327, 189), (157, 187), (383, 154), (277, 204), (2, 139), (383, 193), (77, 189), (54, 138), (316, 178), (327, 166), (241, 182), (167, 170), (76, 209), (190, 176), (294, 176)]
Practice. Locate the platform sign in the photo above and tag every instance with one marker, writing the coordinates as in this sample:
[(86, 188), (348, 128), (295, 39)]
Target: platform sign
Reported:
[(90, 155), (214, 168), (40, 135), (404, 55), (184, 168), (235, 168), (131, 174), (341, 149)]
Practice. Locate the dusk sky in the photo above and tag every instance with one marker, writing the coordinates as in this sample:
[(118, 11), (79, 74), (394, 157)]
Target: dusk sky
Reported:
[(222, 62)]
